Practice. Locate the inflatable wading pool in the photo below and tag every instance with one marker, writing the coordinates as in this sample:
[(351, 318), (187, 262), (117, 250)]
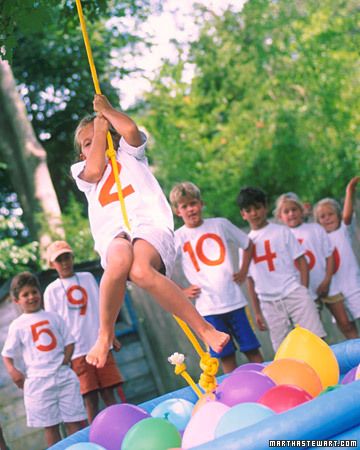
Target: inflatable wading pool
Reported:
[(323, 405)]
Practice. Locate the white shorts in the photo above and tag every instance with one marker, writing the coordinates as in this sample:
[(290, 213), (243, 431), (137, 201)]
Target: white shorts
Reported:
[(53, 399), (296, 308), (161, 239), (352, 304)]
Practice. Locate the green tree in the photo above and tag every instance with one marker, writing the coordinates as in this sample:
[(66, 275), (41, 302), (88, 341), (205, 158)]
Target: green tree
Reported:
[(274, 102)]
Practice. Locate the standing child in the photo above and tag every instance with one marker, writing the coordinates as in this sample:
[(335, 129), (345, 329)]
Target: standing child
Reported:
[(51, 388), (273, 282), (327, 213), (203, 247), (319, 253), (75, 297), (143, 254)]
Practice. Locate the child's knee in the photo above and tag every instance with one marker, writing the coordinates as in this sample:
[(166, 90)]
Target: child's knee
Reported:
[(141, 275)]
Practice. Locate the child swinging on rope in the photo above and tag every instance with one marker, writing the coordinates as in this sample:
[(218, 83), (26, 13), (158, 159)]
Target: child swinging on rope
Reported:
[(145, 253)]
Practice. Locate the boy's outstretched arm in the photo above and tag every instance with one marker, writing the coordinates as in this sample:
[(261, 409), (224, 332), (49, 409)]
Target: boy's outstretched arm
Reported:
[(240, 277), (122, 123), (15, 374), (303, 269), (349, 199), (259, 318)]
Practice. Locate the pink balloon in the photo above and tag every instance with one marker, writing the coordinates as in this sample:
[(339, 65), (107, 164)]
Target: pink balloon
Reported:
[(284, 396), (201, 427), (243, 386)]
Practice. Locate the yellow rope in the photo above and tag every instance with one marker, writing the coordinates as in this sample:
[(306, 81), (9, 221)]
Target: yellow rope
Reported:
[(205, 363), (180, 369), (111, 151)]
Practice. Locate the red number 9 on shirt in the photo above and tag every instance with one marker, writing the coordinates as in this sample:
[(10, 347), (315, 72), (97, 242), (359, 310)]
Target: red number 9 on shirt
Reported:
[(199, 251), (82, 301)]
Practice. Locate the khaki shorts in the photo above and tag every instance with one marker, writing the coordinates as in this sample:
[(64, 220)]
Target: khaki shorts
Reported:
[(296, 308), (92, 379), (331, 299)]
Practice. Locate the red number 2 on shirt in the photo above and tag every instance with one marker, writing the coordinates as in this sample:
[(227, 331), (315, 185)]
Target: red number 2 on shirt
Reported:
[(82, 302), (37, 330), (106, 196), (268, 256), (199, 252)]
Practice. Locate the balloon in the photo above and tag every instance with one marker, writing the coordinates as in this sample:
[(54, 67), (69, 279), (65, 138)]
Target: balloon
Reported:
[(295, 372), (304, 345), (241, 416), (352, 375), (283, 397), (85, 446), (243, 386), (206, 398), (110, 425), (250, 366), (176, 410), (201, 427), (151, 434)]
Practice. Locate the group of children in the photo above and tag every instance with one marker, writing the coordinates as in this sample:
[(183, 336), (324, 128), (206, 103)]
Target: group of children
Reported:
[(289, 270)]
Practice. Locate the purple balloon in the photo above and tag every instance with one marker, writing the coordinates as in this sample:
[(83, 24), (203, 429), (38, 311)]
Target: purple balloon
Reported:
[(250, 366), (243, 386), (110, 425), (350, 376)]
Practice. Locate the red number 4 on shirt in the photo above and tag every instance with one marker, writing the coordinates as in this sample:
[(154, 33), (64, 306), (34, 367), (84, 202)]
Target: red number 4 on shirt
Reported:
[(268, 256)]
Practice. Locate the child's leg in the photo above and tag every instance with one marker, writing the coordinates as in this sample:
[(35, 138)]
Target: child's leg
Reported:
[(228, 363), (254, 356), (3, 445), (91, 401), (73, 427), (347, 327), (112, 290), (144, 273), (52, 435), (108, 396)]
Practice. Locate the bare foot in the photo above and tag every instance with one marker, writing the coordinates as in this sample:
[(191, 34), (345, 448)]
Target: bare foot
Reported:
[(215, 339), (98, 353)]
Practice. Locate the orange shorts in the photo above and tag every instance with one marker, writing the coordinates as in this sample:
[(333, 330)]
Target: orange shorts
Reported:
[(92, 379)]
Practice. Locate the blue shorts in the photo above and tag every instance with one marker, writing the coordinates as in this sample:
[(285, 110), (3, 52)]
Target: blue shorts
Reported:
[(238, 326)]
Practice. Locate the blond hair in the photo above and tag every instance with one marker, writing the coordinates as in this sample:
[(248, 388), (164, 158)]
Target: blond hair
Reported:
[(183, 190), (327, 201), (287, 197)]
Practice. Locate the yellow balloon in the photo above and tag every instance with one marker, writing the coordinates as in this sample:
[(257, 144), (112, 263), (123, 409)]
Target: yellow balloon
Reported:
[(304, 345)]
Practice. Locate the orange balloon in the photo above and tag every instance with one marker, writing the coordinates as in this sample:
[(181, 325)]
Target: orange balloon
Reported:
[(295, 372), (208, 397)]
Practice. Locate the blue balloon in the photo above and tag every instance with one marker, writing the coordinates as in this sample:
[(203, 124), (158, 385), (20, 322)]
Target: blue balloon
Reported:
[(176, 410), (241, 416), (85, 446)]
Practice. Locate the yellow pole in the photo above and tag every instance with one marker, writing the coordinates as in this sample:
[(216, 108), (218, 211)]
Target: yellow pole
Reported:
[(111, 151)]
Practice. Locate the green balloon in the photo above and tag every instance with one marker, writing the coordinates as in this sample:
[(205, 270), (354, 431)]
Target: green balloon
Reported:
[(152, 433)]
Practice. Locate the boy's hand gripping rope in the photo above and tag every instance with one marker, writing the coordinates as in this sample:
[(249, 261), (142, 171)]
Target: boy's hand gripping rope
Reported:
[(207, 364)]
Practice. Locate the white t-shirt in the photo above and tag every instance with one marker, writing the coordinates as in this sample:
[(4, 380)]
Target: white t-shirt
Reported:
[(209, 262), (144, 199), (272, 267), (347, 272), (40, 338), (316, 243), (76, 300)]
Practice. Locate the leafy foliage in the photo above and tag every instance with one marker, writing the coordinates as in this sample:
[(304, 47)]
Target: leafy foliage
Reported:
[(274, 102)]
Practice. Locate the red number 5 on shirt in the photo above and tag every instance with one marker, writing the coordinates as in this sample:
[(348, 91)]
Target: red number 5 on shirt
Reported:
[(199, 251), (37, 329)]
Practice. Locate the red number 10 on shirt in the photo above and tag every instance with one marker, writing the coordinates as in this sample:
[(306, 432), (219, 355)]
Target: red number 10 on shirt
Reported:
[(199, 251)]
